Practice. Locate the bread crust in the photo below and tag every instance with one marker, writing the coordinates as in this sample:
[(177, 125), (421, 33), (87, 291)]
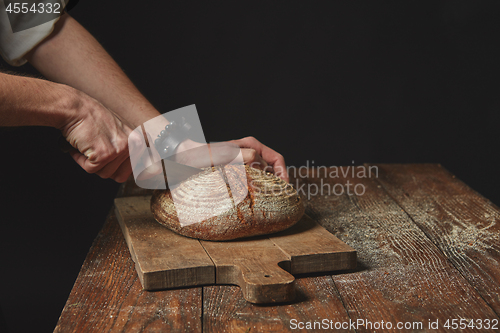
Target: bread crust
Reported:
[(268, 204)]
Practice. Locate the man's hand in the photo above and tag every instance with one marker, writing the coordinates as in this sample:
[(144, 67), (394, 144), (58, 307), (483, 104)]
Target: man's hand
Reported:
[(97, 133), (260, 156), (100, 139), (254, 153)]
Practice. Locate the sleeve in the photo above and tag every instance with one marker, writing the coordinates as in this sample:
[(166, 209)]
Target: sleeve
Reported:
[(15, 45)]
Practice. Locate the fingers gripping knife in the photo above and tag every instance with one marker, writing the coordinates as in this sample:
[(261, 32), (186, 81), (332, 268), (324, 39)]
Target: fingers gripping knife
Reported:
[(165, 144)]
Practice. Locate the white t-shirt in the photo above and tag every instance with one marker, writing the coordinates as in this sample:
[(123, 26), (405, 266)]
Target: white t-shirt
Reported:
[(14, 46)]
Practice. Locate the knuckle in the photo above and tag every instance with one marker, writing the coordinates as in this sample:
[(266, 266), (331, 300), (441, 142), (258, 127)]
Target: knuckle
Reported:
[(120, 148), (105, 155), (122, 145), (110, 153), (134, 140), (251, 139), (252, 154)]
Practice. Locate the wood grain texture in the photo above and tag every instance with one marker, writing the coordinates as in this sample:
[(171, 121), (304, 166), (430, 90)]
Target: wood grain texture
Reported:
[(108, 297), (402, 276), (225, 310), (463, 224), (252, 264), (258, 265), (403, 273), (312, 248), (163, 258)]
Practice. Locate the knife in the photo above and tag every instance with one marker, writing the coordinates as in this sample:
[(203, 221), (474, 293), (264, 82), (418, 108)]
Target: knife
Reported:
[(156, 175), (165, 172)]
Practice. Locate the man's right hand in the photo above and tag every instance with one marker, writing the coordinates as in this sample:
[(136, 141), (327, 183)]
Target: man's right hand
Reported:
[(100, 139)]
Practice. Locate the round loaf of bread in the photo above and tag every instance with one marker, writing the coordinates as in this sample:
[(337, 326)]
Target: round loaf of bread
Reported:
[(228, 202)]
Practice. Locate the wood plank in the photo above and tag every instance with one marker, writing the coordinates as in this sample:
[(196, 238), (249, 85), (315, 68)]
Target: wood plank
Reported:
[(108, 296), (163, 258), (225, 309), (462, 223), (402, 276), (312, 248), (252, 264), (258, 265)]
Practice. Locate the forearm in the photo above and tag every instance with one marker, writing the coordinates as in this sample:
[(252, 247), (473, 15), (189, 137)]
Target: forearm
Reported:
[(70, 55), (27, 101)]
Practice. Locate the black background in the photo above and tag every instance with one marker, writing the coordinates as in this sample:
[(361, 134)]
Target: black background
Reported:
[(324, 81)]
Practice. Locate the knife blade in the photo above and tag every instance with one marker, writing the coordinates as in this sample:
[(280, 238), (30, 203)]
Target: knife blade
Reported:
[(167, 171)]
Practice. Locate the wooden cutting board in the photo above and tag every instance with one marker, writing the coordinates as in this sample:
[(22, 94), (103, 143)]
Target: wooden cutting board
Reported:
[(261, 266)]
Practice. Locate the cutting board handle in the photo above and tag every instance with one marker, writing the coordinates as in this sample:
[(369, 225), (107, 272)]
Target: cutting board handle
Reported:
[(261, 281)]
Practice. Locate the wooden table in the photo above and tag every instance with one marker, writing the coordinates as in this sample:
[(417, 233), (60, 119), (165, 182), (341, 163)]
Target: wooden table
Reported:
[(428, 250)]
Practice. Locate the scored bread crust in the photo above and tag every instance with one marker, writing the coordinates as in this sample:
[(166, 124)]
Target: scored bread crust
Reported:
[(268, 205)]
